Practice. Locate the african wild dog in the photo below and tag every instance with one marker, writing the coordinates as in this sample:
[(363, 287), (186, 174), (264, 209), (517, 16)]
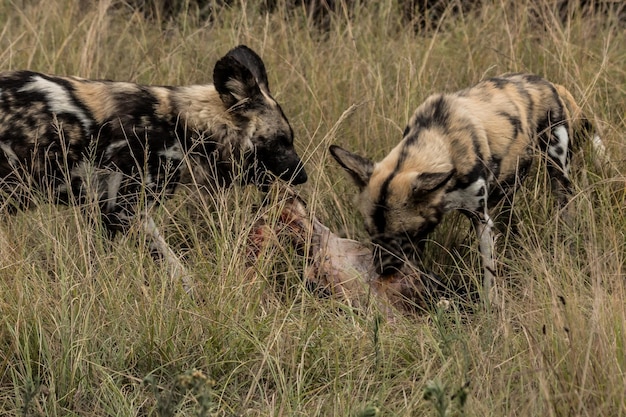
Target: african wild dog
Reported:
[(464, 151), (116, 140)]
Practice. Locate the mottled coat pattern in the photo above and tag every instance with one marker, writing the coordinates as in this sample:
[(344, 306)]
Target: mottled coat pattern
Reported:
[(115, 142), (465, 151)]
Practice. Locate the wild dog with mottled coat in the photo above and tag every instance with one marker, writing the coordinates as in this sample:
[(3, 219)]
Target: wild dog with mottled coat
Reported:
[(118, 141), (465, 151)]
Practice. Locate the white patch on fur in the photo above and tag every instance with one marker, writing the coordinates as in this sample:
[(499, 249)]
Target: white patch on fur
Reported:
[(148, 181), (173, 152), (114, 147), (467, 198), (58, 99), (598, 146), (9, 153), (113, 186), (563, 143)]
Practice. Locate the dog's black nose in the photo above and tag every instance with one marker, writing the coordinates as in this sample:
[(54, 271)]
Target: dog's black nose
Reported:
[(300, 177)]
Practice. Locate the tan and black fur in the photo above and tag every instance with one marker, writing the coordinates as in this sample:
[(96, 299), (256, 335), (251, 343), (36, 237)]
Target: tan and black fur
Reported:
[(79, 138), (465, 151)]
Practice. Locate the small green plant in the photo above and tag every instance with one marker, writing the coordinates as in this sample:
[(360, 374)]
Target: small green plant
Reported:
[(446, 404), (191, 386), (369, 411)]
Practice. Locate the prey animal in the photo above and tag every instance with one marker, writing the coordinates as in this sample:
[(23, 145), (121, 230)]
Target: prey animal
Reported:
[(465, 151), (127, 146)]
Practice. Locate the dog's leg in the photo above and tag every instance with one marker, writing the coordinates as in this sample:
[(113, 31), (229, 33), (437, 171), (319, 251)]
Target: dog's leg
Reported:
[(119, 215), (483, 224), (474, 206), (120, 220), (160, 248)]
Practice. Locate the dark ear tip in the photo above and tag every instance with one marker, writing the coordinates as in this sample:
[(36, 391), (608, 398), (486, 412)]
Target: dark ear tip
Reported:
[(242, 47), (337, 152)]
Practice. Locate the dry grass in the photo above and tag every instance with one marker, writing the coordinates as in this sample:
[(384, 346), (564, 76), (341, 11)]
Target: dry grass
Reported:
[(93, 327)]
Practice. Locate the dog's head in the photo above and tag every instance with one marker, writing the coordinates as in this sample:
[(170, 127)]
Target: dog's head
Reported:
[(400, 205), (264, 139)]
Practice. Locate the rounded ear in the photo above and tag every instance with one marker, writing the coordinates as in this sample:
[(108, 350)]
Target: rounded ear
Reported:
[(359, 168), (251, 60), (234, 82), (428, 182)]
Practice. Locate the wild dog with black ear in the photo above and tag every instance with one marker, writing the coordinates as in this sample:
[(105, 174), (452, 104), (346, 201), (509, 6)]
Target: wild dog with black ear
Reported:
[(465, 151), (117, 141)]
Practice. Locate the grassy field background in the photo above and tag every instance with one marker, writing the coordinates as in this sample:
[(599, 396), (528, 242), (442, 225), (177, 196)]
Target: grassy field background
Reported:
[(90, 327)]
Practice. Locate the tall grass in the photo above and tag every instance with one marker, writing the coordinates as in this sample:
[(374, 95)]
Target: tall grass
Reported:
[(90, 326)]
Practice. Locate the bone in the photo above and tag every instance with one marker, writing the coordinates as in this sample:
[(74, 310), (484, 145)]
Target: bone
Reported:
[(341, 268)]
